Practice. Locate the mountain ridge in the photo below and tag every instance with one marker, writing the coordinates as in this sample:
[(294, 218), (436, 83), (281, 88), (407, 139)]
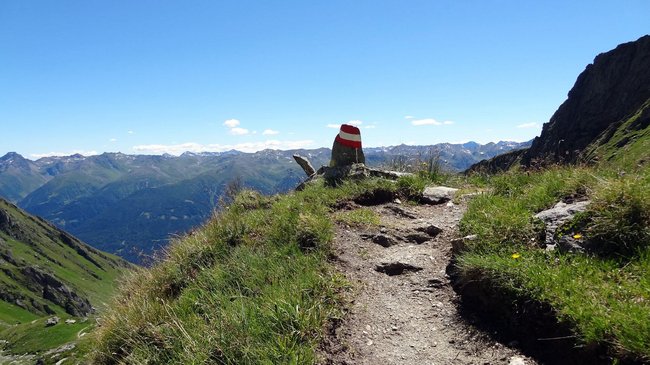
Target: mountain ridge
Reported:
[(606, 111)]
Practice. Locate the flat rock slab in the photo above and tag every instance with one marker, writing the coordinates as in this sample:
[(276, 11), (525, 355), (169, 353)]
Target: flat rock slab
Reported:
[(438, 194)]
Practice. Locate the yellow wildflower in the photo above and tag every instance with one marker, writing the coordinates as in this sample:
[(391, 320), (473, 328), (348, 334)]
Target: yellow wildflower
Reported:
[(516, 255), (577, 236)]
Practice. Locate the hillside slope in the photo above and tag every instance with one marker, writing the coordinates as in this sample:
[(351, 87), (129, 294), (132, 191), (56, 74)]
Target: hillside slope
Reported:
[(46, 271)]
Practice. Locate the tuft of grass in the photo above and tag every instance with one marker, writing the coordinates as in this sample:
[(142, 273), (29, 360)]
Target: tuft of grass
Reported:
[(358, 217), (603, 297)]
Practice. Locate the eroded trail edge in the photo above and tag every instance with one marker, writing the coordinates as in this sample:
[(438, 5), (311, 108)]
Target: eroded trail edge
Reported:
[(403, 309)]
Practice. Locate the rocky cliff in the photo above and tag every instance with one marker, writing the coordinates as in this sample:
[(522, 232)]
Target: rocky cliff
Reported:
[(606, 96)]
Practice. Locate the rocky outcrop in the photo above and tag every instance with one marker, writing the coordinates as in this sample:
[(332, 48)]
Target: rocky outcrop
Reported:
[(55, 291), (606, 94)]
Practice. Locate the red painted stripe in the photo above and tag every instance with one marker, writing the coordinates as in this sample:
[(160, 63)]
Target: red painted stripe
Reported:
[(348, 143), (350, 129)]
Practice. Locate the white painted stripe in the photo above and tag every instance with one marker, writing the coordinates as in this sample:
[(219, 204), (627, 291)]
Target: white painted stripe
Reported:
[(350, 137)]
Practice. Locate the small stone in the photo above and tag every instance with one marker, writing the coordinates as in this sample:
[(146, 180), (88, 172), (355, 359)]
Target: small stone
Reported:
[(394, 328), (368, 328), (417, 238), (516, 360), (52, 321), (384, 240), (369, 343), (437, 194), (430, 229)]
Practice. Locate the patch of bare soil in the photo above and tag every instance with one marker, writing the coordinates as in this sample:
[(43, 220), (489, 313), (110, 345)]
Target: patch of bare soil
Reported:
[(403, 309)]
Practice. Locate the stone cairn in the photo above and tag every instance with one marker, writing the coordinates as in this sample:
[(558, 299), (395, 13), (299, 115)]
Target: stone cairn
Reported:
[(347, 147), (347, 161)]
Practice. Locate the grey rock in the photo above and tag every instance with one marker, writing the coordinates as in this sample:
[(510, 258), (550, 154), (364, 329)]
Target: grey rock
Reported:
[(459, 245), (430, 229), (304, 164), (396, 268), (384, 240), (558, 215), (437, 194), (569, 244), (418, 237), (52, 321)]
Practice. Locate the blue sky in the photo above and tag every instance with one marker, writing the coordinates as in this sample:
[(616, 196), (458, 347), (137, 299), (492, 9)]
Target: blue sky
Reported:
[(168, 76)]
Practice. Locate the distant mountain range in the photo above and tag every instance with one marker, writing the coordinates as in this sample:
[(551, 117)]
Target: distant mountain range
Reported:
[(131, 204)]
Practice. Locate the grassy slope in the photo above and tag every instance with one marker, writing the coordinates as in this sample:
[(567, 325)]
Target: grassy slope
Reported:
[(605, 298), (44, 248), (250, 286)]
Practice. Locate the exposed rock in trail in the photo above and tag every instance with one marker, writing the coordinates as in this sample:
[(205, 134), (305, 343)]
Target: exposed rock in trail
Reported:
[(429, 229), (396, 268), (384, 240), (437, 194), (400, 211), (417, 237)]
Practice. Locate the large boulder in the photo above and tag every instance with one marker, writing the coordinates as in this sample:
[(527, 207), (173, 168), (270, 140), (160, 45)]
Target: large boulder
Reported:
[(347, 147)]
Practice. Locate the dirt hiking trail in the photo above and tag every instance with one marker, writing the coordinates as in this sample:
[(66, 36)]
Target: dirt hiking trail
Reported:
[(403, 309)]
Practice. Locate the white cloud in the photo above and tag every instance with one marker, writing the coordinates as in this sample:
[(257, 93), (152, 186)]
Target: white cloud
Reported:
[(52, 154), (177, 149), (447, 122), (335, 126), (528, 125), (427, 121), (231, 123), (355, 122), (270, 132), (370, 127), (238, 131), (130, 132), (113, 140), (409, 117)]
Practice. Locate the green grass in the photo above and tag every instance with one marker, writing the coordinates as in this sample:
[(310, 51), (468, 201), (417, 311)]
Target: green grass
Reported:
[(251, 286), (358, 217), (34, 337), (603, 295), (11, 314)]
